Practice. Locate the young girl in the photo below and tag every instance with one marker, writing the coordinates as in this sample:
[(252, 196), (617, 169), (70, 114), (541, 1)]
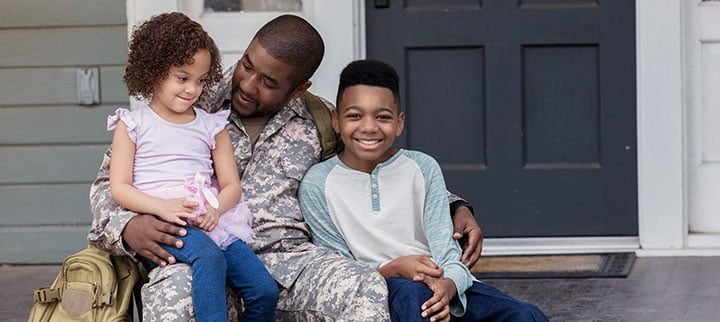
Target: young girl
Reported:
[(164, 156)]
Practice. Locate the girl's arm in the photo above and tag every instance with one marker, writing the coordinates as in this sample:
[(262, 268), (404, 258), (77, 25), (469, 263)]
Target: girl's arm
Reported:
[(226, 171), (228, 181), (123, 192)]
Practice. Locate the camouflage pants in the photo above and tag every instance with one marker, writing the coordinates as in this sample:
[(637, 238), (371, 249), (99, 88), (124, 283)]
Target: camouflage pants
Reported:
[(330, 288)]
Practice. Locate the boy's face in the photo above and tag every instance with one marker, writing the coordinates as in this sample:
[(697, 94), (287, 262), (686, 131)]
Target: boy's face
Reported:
[(368, 120)]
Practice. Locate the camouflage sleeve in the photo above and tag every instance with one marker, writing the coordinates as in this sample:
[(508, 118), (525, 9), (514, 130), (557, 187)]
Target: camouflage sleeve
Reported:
[(456, 202), (212, 98), (453, 197), (109, 219), (327, 103)]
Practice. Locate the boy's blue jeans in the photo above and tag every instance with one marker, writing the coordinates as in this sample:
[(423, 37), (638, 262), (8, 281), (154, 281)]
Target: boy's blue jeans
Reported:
[(484, 303), (212, 268)]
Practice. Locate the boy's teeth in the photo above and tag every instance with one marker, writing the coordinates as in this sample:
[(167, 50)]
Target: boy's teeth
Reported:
[(368, 141)]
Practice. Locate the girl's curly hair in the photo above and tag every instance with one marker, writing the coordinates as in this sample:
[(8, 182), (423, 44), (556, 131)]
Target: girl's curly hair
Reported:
[(164, 41)]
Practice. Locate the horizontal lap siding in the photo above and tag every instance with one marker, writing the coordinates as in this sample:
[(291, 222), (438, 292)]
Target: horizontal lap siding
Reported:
[(51, 147)]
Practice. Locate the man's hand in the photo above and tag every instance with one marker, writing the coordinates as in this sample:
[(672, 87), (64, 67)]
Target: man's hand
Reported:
[(411, 267), (469, 234), (145, 233)]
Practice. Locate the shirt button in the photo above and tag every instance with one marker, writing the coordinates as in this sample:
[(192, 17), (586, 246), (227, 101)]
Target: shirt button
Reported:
[(374, 186), (375, 196), (243, 150)]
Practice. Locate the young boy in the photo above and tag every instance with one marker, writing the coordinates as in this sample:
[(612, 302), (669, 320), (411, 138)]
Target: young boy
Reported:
[(384, 206)]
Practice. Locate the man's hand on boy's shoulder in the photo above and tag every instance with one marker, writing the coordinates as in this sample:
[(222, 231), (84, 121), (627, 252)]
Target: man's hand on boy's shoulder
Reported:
[(468, 233)]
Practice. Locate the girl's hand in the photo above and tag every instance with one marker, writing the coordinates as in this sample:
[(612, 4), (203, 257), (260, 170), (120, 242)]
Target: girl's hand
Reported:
[(174, 210), (438, 306), (209, 220), (411, 267)]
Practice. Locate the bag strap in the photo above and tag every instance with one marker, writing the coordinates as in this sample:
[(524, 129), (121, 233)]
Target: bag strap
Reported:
[(322, 117)]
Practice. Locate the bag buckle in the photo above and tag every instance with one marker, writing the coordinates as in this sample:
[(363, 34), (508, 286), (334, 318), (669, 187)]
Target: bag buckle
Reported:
[(46, 294)]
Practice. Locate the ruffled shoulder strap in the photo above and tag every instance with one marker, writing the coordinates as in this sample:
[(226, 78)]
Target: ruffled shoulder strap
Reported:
[(216, 123), (127, 117)]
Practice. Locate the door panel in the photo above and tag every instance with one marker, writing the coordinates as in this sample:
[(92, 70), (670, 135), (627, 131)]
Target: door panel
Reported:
[(703, 98), (529, 106)]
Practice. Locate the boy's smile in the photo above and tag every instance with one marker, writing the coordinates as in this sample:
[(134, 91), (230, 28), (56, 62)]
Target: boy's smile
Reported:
[(368, 121)]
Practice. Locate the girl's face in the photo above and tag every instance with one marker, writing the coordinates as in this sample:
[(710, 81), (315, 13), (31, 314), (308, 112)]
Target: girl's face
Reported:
[(174, 97), (368, 121)]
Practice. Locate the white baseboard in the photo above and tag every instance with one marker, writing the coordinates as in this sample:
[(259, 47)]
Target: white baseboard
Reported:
[(703, 241), (697, 245), (563, 245)]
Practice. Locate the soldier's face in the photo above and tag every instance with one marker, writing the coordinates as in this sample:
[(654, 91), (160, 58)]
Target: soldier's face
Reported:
[(261, 84)]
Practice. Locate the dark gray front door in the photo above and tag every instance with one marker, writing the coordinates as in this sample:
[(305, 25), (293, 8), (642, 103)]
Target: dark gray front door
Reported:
[(528, 105)]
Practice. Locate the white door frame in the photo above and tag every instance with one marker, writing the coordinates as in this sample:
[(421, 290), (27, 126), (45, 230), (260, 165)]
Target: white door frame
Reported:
[(661, 128)]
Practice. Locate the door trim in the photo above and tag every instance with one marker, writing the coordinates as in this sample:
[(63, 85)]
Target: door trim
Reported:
[(661, 109)]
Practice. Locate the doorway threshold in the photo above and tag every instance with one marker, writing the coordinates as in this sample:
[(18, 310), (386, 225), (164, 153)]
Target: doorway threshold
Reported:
[(559, 245)]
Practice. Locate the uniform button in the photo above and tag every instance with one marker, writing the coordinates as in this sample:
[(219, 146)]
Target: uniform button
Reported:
[(243, 150), (374, 185), (375, 196)]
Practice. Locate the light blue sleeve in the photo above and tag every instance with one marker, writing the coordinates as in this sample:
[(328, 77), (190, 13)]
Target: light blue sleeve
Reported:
[(439, 229), (315, 211)]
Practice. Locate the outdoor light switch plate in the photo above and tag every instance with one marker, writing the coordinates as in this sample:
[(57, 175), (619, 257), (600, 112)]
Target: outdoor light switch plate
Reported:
[(88, 86)]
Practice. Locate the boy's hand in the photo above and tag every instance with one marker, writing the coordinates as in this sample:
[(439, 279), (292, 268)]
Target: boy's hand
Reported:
[(174, 210), (207, 221), (438, 306), (469, 234), (411, 267)]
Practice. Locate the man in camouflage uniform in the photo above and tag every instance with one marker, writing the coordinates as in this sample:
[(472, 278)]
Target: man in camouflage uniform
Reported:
[(275, 142)]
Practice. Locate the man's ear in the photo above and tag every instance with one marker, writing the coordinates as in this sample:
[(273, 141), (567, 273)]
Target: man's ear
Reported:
[(300, 89)]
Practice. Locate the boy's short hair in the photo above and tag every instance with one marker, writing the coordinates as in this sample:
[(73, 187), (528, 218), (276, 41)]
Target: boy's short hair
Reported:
[(369, 72), (164, 41)]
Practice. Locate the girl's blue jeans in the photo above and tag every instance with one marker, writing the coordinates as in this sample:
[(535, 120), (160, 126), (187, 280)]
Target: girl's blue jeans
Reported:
[(237, 267)]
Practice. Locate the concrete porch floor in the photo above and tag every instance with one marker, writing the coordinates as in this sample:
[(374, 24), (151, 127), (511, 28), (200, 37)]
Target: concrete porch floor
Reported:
[(657, 289)]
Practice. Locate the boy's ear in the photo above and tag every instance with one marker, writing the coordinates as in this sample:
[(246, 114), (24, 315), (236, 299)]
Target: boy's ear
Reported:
[(401, 123), (335, 121), (300, 89)]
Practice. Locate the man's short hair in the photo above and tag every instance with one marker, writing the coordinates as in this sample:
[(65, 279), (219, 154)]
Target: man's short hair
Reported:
[(372, 73), (293, 40)]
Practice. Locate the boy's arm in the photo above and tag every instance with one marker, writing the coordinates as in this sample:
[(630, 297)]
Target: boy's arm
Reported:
[(444, 249), (315, 212)]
